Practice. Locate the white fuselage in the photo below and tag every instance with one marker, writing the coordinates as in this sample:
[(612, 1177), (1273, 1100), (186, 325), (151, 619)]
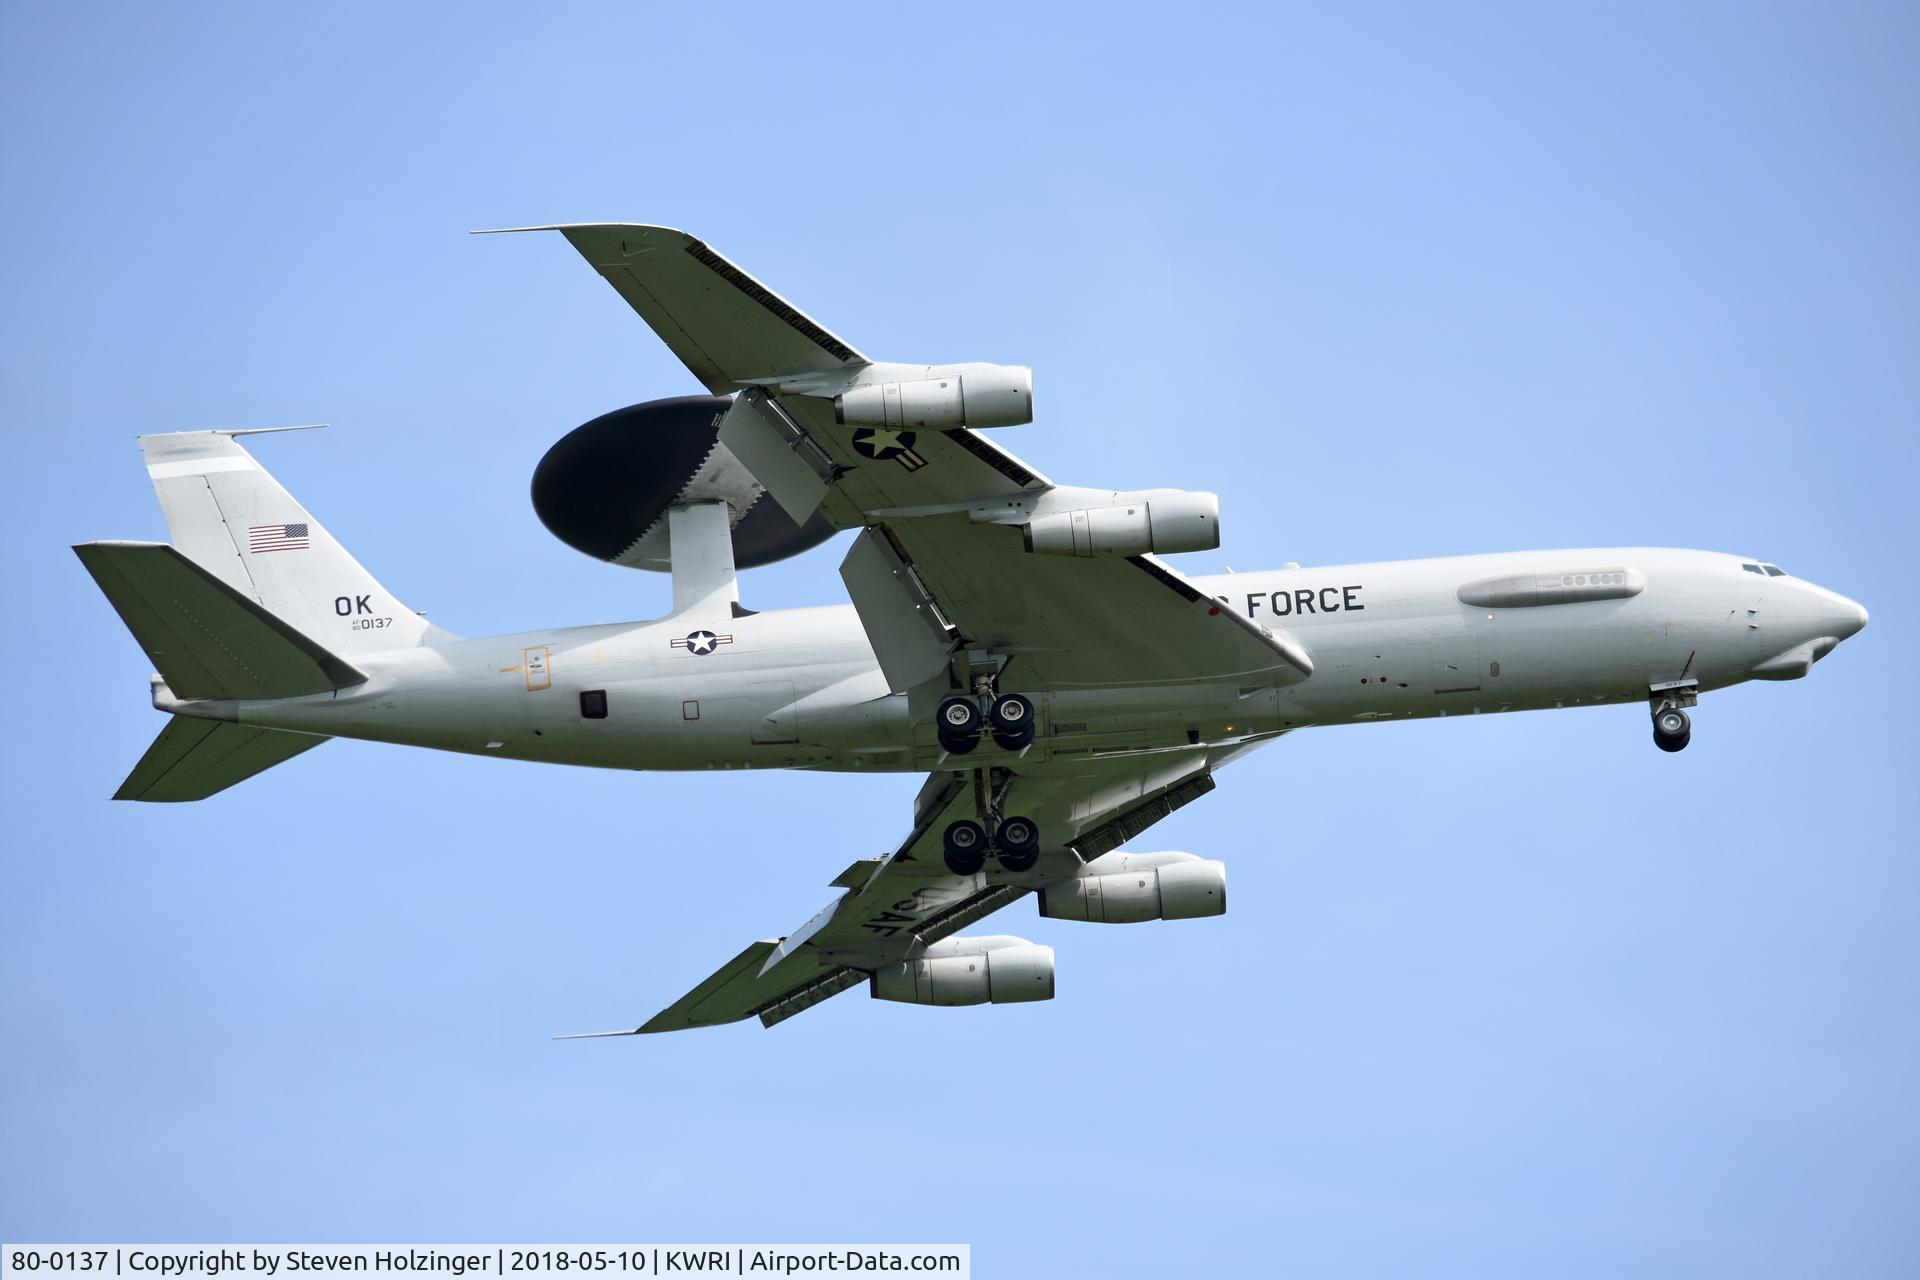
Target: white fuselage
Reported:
[(801, 688)]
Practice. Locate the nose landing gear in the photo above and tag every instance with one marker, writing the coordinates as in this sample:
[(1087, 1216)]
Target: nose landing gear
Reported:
[(1672, 727)]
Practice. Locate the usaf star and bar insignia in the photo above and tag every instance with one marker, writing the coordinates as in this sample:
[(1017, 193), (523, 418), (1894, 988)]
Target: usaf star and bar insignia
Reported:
[(702, 642), (881, 443)]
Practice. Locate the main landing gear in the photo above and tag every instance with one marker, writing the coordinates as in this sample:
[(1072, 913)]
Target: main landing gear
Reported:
[(1016, 841), (1009, 717), (962, 722)]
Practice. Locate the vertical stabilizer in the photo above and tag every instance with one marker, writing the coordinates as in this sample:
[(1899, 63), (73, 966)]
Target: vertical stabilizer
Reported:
[(700, 542), (227, 515)]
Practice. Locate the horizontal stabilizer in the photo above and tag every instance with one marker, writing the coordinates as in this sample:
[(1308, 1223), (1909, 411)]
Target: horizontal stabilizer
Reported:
[(206, 639), (192, 759)]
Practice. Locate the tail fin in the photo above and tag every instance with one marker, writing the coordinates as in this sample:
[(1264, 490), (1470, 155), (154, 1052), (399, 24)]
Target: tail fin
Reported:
[(228, 516)]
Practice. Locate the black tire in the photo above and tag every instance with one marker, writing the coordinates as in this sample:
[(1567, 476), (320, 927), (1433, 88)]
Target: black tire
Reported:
[(957, 746), (1672, 729), (1012, 714), (957, 723), (1015, 740), (966, 847), (1672, 744), (1018, 835), (1019, 841)]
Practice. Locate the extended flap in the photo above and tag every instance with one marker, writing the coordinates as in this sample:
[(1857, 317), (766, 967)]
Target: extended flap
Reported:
[(909, 637), (765, 440)]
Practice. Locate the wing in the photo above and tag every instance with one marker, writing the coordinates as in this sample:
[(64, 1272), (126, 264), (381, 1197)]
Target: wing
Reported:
[(948, 584), (945, 507), (893, 908), (725, 326)]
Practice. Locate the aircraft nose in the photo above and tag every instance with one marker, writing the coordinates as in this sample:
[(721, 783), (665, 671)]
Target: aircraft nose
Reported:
[(1848, 618), (1839, 616)]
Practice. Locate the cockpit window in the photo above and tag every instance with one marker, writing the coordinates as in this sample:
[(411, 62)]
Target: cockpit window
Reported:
[(1774, 571), (1751, 568)]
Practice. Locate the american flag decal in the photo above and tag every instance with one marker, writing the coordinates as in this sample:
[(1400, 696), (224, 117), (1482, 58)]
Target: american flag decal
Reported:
[(262, 538)]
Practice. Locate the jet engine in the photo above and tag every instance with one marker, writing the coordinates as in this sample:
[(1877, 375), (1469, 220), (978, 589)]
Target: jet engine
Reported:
[(1126, 888), (957, 395), (605, 487), (996, 969), (1158, 520)]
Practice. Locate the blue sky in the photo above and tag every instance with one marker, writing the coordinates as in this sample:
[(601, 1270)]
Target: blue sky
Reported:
[(1511, 996)]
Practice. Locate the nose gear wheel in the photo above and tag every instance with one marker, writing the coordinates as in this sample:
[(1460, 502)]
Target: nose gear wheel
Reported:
[(1672, 729)]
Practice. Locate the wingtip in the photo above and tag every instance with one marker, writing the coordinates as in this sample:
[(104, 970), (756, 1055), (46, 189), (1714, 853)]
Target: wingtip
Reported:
[(599, 1035), (582, 226), (268, 431)]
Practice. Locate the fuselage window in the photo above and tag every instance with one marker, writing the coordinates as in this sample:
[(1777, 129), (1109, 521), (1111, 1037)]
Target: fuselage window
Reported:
[(593, 704)]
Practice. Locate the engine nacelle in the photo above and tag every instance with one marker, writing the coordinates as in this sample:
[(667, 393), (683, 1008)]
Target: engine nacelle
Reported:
[(1126, 888), (961, 395), (1159, 520), (997, 969)]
